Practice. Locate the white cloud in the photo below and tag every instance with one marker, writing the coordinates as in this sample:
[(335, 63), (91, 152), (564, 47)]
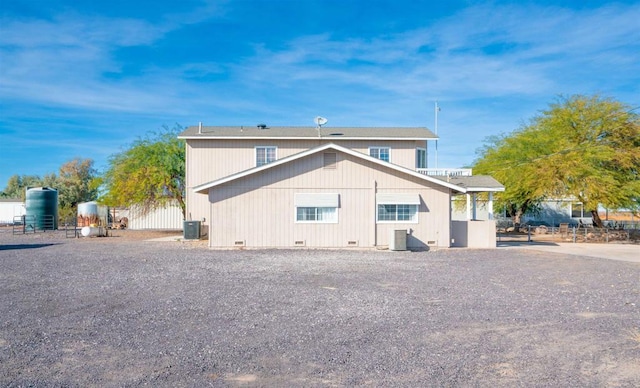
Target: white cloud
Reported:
[(540, 45), (63, 61)]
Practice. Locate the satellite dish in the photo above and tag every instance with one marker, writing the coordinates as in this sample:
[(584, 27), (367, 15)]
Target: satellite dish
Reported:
[(320, 121)]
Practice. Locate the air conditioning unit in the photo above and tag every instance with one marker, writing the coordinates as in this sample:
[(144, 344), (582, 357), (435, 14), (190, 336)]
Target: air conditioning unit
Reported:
[(398, 240), (191, 230)]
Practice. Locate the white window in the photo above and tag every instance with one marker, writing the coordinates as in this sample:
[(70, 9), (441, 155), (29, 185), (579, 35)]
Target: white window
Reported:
[(381, 153), (265, 155), (577, 210), (397, 207), (317, 214), (421, 158), (317, 207)]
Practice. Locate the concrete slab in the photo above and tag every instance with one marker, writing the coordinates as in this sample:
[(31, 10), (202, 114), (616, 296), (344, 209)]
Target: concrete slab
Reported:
[(620, 252), (168, 238)]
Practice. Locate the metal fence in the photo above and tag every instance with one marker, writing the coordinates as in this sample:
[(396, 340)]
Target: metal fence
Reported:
[(616, 233), (70, 226), (31, 224)]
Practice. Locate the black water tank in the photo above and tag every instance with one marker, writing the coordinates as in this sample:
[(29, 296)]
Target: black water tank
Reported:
[(42, 205)]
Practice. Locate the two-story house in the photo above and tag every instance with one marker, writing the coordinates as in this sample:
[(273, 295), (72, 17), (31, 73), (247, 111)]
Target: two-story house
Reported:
[(318, 187)]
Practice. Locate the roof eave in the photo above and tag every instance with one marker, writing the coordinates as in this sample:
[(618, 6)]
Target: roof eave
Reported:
[(199, 137)]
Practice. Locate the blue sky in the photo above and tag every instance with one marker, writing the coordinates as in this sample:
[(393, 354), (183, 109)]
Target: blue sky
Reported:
[(85, 78)]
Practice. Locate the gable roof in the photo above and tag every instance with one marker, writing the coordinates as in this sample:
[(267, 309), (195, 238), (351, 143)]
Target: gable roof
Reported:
[(204, 188), (342, 133)]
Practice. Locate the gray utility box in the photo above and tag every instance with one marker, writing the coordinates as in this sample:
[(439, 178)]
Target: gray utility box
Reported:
[(191, 230), (398, 240)]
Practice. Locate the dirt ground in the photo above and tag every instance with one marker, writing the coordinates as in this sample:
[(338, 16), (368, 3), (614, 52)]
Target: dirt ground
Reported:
[(141, 235), (119, 234), (126, 311)]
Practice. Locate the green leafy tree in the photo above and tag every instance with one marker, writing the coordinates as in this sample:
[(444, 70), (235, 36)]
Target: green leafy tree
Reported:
[(75, 185), (585, 147), (150, 174), (500, 156), (17, 186)]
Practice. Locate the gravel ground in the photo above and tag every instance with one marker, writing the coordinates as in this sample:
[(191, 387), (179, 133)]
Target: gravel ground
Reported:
[(119, 311)]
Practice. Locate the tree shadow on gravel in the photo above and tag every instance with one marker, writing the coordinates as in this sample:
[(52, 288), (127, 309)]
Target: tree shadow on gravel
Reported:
[(23, 246)]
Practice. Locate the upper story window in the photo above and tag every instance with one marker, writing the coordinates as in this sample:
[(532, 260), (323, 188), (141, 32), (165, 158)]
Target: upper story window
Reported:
[(421, 158), (381, 153), (265, 155)]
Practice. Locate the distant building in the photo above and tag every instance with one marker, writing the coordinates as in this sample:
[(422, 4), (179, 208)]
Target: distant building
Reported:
[(9, 209)]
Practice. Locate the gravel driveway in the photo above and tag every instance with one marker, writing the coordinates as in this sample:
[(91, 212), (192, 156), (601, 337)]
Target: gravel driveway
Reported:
[(117, 312)]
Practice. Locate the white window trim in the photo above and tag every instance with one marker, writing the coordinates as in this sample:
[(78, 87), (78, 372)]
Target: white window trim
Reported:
[(418, 149), (411, 199), (571, 208), (380, 148), (414, 221), (316, 200), (255, 154), (297, 221)]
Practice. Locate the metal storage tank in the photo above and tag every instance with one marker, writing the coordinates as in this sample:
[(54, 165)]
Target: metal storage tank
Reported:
[(42, 204), (87, 213), (92, 214)]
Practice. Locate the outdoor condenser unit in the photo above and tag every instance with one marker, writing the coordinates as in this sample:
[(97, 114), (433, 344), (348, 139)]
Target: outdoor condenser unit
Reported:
[(191, 230)]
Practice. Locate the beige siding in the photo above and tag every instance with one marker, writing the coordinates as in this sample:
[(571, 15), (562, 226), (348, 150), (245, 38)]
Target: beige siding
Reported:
[(259, 210), (474, 234), (169, 217), (208, 160)]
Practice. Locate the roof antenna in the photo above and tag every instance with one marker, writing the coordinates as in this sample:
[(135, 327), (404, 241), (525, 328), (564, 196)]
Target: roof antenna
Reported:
[(437, 109), (320, 121)]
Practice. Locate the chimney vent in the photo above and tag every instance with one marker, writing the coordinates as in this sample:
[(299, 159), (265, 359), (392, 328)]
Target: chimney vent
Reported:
[(262, 126)]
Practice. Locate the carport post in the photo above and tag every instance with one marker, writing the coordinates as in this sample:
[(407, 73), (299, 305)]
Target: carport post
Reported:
[(529, 234), (574, 234)]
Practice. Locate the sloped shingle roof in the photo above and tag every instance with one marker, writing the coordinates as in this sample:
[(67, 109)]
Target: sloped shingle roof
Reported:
[(475, 183), (254, 132)]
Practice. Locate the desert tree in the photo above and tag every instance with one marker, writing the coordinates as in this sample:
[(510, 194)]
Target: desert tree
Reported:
[(149, 174), (581, 147), (17, 185), (76, 183)]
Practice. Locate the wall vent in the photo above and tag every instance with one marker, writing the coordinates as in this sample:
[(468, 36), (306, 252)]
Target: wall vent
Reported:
[(239, 243), (431, 242), (299, 243), (352, 243), (330, 160)]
